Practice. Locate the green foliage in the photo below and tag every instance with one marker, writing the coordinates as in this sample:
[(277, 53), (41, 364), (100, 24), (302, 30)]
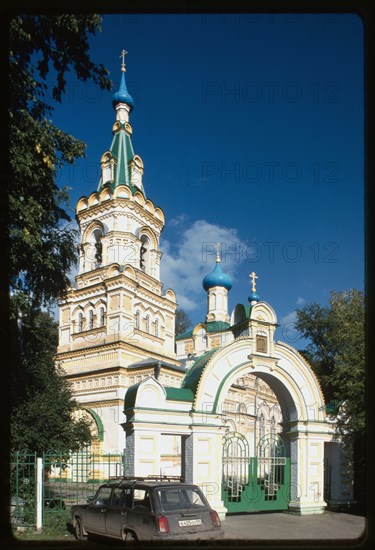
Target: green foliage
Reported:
[(41, 241), (337, 354), (183, 321), (55, 522), (41, 400)]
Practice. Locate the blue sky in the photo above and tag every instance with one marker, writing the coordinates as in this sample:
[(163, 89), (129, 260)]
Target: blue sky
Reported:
[(251, 130)]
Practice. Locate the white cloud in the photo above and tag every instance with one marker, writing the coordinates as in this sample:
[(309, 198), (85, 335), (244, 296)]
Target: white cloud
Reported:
[(289, 319), (178, 220), (186, 261), (289, 333)]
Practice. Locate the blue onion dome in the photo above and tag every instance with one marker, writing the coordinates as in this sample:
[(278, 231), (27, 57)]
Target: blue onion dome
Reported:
[(253, 297), (123, 96), (217, 278)]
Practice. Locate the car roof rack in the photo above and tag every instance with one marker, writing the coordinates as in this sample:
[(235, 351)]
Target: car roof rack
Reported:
[(113, 479)]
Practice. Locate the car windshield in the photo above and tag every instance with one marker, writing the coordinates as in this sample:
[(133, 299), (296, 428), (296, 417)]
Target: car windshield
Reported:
[(180, 499)]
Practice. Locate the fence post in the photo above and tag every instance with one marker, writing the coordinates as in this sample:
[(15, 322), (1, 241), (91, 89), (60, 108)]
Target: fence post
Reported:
[(39, 494)]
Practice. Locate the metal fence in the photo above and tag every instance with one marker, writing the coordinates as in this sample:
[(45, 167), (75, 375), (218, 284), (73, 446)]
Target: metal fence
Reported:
[(65, 478), (23, 485)]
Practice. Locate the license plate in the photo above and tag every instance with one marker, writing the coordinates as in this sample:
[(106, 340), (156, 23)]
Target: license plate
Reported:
[(189, 522)]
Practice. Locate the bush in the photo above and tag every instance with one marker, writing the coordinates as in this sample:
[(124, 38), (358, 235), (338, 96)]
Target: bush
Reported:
[(56, 522)]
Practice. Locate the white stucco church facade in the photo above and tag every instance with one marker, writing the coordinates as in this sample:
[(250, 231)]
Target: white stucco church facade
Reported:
[(223, 405)]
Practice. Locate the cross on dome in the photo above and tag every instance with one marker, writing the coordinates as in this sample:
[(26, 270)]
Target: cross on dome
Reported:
[(218, 252), (253, 276), (122, 55)]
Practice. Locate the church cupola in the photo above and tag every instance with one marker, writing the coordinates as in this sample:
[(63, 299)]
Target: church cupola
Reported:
[(122, 95), (217, 284), (120, 165)]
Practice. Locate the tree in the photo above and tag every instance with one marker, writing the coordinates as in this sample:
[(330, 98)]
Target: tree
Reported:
[(41, 242), (41, 406), (42, 246), (183, 321), (337, 354)]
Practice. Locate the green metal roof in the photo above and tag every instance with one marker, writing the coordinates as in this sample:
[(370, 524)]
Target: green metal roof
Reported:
[(217, 326), (184, 334), (245, 310), (130, 396), (173, 394), (122, 152), (211, 326), (193, 375), (179, 394)]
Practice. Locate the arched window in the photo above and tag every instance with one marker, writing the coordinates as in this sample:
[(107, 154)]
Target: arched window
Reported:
[(201, 340), (98, 252), (98, 247), (80, 323), (101, 317), (91, 320), (157, 327), (147, 323), (137, 320), (144, 254)]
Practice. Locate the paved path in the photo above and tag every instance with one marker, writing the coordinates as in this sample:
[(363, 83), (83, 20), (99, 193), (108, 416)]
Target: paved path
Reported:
[(282, 526)]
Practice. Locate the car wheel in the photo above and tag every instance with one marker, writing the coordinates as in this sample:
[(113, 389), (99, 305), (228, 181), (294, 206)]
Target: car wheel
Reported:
[(129, 538), (79, 530)]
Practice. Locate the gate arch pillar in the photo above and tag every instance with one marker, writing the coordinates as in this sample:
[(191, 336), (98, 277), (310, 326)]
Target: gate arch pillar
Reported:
[(307, 472), (205, 450)]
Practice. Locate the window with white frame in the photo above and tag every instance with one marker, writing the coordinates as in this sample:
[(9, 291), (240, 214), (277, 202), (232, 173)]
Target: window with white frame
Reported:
[(137, 320), (147, 323)]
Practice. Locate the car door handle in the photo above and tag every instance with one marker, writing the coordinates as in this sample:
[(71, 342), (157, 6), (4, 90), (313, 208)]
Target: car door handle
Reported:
[(123, 513), (103, 510)]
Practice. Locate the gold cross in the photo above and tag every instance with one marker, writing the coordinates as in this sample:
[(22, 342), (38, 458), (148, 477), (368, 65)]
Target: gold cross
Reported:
[(218, 251), (253, 276), (123, 54)]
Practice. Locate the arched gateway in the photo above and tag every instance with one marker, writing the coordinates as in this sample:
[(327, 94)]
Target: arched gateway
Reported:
[(195, 411)]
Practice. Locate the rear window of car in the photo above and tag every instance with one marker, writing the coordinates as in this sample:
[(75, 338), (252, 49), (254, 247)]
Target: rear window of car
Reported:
[(180, 499)]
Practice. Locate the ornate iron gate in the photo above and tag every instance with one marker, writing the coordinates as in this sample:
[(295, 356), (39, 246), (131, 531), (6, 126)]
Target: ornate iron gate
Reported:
[(252, 484)]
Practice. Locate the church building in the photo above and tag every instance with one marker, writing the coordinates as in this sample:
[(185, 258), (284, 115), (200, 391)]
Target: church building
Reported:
[(222, 405)]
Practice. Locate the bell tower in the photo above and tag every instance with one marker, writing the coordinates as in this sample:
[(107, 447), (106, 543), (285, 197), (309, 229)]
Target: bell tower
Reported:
[(118, 314)]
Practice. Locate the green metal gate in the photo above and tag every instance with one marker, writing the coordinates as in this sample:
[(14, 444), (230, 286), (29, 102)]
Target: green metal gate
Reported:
[(23, 488), (252, 484)]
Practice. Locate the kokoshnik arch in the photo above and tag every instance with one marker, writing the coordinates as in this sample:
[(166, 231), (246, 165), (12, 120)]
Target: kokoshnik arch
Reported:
[(222, 405)]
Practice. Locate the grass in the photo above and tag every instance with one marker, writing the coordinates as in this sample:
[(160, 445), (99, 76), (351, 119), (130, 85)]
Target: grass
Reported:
[(56, 526)]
